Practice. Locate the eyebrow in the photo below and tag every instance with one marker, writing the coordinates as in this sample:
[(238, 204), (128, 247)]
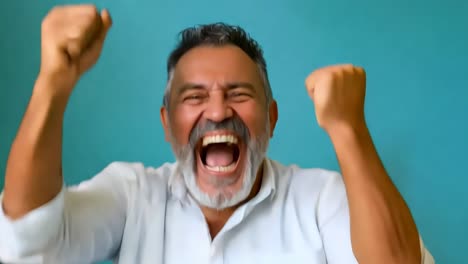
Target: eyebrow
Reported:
[(189, 86), (228, 86), (234, 85)]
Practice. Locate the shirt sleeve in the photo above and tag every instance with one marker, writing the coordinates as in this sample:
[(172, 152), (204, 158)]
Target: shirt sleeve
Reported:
[(426, 256), (334, 224), (82, 224), (333, 221)]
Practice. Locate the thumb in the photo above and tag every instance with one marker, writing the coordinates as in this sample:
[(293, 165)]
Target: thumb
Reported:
[(91, 55), (310, 84), (106, 20)]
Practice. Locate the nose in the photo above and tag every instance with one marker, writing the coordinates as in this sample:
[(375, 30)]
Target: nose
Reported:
[(218, 109)]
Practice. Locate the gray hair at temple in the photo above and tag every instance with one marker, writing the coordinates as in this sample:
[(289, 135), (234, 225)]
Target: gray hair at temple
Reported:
[(217, 34)]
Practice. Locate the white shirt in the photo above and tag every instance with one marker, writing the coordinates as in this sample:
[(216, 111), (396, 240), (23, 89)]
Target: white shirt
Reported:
[(133, 214)]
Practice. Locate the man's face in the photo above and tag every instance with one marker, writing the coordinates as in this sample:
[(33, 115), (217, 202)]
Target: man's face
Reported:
[(218, 123)]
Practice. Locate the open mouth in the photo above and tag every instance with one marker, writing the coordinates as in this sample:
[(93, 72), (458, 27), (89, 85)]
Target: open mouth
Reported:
[(220, 153)]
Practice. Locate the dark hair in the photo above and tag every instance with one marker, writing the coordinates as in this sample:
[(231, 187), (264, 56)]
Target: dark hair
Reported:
[(218, 34)]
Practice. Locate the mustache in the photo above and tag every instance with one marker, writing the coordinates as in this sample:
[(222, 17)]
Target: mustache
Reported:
[(234, 124)]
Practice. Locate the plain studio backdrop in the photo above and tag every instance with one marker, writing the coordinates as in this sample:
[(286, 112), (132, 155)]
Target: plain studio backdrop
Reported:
[(415, 54)]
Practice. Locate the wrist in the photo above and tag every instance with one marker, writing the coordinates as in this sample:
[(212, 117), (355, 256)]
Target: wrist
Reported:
[(348, 131), (51, 91), (53, 87)]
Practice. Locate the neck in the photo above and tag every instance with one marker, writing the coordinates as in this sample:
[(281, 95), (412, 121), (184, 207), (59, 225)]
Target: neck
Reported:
[(216, 219)]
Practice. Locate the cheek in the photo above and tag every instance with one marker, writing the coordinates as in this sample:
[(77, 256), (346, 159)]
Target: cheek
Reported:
[(182, 123), (254, 116)]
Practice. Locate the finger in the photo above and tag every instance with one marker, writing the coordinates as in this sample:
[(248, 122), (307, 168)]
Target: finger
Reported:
[(310, 84), (312, 93), (95, 49), (93, 31), (106, 20), (87, 28), (360, 70)]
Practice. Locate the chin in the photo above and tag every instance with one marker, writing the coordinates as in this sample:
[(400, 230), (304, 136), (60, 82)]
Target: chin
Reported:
[(220, 193), (221, 168)]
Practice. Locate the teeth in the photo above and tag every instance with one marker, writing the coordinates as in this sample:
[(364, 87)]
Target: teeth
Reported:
[(222, 168), (230, 139)]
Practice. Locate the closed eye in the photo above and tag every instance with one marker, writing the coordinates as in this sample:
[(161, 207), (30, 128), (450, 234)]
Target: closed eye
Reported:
[(194, 98), (239, 96)]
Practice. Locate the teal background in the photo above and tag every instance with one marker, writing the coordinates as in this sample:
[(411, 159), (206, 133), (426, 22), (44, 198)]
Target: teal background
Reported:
[(415, 54)]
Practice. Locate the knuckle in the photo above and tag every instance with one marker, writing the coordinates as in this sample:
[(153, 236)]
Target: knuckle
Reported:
[(48, 27), (346, 69), (53, 13), (54, 8), (45, 23), (361, 70), (91, 11), (313, 78), (77, 32), (336, 74), (91, 20), (89, 8), (330, 76)]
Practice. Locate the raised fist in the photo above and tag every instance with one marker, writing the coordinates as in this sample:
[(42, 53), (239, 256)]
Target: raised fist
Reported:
[(72, 40), (338, 94)]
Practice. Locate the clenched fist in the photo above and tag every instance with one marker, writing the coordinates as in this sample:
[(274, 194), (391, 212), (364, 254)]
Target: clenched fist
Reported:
[(71, 42), (338, 94)]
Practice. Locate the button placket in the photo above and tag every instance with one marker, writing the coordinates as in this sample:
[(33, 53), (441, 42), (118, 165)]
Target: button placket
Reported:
[(216, 253)]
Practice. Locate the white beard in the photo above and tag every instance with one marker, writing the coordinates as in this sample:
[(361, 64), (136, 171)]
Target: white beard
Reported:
[(223, 198)]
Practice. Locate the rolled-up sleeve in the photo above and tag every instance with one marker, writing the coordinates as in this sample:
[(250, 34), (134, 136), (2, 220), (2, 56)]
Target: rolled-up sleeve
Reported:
[(82, 224), (426, 257), (32, 232)]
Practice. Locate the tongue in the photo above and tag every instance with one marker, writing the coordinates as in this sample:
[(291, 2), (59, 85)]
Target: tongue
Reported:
[(219, 155)]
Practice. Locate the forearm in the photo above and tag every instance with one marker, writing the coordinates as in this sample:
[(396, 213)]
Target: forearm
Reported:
[(33, 172), (382, 228)]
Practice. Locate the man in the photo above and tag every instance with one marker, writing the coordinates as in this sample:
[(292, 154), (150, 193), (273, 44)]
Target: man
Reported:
[(223, 201)]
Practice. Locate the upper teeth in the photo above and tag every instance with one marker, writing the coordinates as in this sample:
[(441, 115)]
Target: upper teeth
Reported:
[(219, 139)]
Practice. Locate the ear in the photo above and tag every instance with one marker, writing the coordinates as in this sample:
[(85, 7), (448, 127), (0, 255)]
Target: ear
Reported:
[(273, 111), (165, 123)]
